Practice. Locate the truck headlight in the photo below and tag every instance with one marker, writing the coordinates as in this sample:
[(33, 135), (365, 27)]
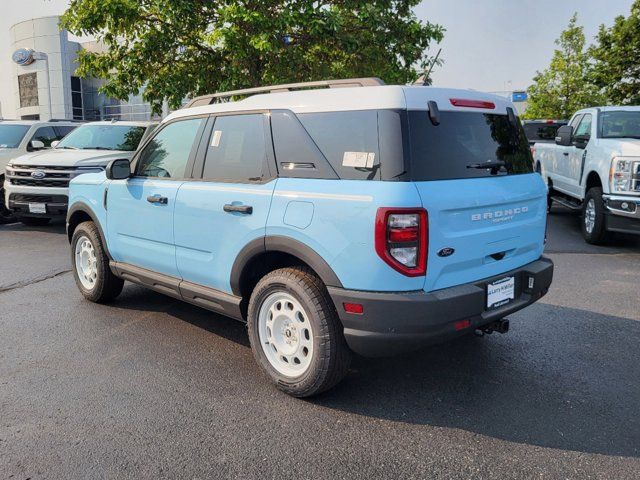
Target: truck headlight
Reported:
[(624, 176)]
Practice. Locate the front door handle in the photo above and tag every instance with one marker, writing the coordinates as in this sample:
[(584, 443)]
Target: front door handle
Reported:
[(157, 199), (566, 154), (246, 209)]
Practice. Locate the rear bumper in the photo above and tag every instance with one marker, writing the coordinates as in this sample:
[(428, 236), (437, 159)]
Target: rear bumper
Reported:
[(396, 322), (619, 219)]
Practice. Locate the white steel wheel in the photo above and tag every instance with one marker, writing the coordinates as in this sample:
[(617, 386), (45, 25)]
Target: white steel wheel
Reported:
[(286, 334), (86, 263), (590, 216)]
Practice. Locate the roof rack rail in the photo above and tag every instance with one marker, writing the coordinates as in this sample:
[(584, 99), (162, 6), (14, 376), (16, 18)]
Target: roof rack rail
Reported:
[(64, 120), (342, 83)]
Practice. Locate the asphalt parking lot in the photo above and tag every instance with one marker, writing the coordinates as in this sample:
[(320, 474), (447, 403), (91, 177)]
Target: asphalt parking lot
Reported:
[(149, 387)]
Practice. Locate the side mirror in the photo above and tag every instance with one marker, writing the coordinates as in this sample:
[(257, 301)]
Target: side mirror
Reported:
[(119, 169), (564, 135), (55, 143), (36, 145)]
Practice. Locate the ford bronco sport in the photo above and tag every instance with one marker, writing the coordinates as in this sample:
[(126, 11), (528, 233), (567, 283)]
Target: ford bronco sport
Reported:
[(372, 219)]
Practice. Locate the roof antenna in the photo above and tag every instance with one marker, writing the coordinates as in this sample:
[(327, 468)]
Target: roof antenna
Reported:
[(425, 77)]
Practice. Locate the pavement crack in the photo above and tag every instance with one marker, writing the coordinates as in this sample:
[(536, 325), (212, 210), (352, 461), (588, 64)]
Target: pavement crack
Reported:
[(31, 281)]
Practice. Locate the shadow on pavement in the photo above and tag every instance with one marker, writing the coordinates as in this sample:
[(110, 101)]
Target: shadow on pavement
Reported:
[(565, 236), (561, 378)]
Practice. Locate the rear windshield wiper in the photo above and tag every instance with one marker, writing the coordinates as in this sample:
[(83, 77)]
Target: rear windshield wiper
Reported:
[(494, 166)]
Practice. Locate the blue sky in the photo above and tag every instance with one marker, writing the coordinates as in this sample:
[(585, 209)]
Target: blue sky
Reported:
[(488, 42), (491, 42)]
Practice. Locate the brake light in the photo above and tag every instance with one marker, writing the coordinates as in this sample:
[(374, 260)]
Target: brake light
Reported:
[(402, 239), (464, 102)]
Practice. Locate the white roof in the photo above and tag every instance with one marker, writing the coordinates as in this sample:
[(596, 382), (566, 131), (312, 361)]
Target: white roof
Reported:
[(127, 123), (393, 97), (38, 122)]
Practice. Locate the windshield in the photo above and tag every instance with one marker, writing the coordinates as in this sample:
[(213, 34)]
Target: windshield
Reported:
[(620, 124), (12, 135), (466, 145), (103, 137)]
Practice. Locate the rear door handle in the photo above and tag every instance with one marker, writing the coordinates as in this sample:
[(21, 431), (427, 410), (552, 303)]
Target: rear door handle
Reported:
[(157, 199), (566, 154), (246, 209)]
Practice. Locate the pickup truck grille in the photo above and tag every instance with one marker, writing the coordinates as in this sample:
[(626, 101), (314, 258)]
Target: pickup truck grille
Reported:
[(46, 176)]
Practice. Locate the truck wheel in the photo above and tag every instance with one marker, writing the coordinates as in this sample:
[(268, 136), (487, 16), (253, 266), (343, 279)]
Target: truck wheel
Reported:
[(295, 333), (91, 265), (34, 221), (6, 216), (593, 218)]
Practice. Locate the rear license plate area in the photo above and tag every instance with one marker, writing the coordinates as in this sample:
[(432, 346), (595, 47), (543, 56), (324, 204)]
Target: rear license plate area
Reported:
[(501, 292)]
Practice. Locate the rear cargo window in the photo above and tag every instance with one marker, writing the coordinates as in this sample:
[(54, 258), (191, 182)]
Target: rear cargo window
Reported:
[(464, 141), (348, 140)]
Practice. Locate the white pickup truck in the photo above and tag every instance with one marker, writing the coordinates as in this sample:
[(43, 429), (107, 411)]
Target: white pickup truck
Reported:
[(594, 167)]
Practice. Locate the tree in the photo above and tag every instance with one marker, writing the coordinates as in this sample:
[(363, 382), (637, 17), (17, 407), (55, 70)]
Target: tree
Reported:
[(174, 49), (617, 59), (566, 85)]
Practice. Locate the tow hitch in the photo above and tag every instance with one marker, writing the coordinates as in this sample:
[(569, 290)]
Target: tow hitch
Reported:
[(500, 326)]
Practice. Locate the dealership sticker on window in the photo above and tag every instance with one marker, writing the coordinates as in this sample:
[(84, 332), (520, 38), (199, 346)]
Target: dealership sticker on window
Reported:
[(215, 139), (358, 159)]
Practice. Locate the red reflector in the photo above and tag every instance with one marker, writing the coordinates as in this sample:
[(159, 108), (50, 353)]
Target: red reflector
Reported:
[(397, 235), (462, 324), (463, 102), (355, 308)]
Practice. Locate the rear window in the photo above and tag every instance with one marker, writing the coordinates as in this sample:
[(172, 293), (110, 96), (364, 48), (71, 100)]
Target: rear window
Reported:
[(348, 140), (463, 143), (541, 131), (620, 124)]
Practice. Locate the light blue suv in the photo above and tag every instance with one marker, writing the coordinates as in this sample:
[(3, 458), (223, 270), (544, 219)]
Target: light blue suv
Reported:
[(367, 218)]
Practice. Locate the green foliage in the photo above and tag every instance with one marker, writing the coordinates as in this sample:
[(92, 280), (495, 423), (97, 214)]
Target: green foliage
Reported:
[(617, 59), (183, 48), (566, 85)]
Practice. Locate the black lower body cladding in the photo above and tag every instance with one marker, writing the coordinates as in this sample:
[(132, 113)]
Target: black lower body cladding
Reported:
[(392, 323)]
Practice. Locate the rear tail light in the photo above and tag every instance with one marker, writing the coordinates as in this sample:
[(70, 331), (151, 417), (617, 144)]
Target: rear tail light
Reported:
[(402, 239)]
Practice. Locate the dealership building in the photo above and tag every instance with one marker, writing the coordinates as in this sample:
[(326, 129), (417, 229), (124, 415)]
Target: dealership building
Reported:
[(44, 83)]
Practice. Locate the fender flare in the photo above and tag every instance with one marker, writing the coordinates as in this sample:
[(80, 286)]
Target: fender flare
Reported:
[(277, 243), (86, 209)]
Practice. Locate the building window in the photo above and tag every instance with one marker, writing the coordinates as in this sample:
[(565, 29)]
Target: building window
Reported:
[(76, 98), (28, 89)]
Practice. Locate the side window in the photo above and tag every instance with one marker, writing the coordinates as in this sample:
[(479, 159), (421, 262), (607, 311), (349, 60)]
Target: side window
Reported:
[(46, 135), (575, 121), (236, 151), (349, 140), (584, 129), (62, 131), (167, 155), (296, 153)]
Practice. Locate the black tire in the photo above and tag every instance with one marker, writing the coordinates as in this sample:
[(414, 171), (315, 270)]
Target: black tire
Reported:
[(34, 221), (331, 355), (107, 286), (6, 215), (598, 234)]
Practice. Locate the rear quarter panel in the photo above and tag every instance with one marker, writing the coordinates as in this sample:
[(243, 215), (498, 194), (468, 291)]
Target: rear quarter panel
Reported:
[(336, 219)]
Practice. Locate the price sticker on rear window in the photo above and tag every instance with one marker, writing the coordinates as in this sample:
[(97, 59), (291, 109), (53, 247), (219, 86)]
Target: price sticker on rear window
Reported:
[(358, 159), (215, 138)]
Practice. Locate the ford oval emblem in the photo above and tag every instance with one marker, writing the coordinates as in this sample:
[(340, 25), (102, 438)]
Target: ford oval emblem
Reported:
[(38, 174), (446, 252), (23, 56)]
